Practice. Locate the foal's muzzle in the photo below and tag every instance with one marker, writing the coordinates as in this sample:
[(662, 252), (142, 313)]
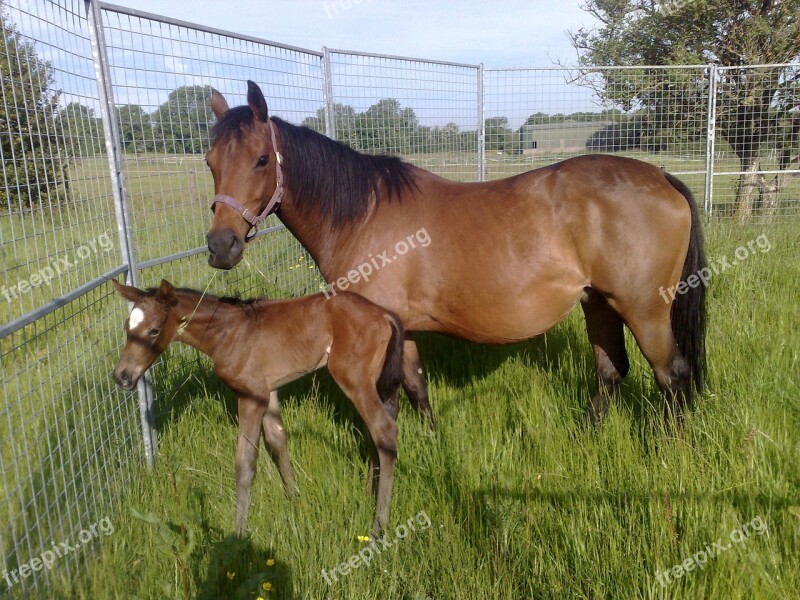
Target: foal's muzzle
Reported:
[(225, 249), (125, 378)]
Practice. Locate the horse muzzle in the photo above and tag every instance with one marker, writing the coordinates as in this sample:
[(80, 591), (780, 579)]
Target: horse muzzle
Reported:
[(225, 249), (126, 378)]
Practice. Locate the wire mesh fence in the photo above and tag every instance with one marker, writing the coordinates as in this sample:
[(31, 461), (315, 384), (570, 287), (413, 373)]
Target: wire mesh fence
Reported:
[(425, 111), (103, 175)]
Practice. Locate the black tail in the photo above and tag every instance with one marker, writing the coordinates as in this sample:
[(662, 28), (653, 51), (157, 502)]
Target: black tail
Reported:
[(392, 373), (688, 314)]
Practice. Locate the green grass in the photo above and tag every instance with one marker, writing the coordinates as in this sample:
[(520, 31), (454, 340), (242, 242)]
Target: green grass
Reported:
[(524, 500)]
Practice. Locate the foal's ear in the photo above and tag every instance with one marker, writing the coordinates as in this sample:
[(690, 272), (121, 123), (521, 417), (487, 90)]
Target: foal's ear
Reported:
[(255, 99), (128, 292), (167, 293), (218, 104)]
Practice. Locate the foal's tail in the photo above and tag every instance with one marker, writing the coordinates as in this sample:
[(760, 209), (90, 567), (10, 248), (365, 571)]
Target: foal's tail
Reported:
[(392, 372), (688, 313)]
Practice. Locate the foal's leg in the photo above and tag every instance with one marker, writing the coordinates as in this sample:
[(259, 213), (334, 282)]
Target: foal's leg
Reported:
[(251, 411), (275, 436), (414, 382), (356, 381), (607, 337), (390, 403)]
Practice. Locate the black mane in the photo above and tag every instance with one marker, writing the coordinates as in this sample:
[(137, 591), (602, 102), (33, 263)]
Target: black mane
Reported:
[(324, 176)]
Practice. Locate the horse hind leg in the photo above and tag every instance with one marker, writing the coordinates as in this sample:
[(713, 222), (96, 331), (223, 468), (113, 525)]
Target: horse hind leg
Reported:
[(653, 333), (607, 337), (414, 383)]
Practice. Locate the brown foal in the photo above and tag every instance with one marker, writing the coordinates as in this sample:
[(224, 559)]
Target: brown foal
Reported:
[(258, 346)]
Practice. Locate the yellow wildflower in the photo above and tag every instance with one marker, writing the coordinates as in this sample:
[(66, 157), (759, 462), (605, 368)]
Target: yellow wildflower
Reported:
[(363, 538), (231, 574), (270, 562), (266, 586)]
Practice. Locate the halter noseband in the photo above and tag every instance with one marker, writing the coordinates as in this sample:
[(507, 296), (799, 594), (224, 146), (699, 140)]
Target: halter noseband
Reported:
[(271, 206)]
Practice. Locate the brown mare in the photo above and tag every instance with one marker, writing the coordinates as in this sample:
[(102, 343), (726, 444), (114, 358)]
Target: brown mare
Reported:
[(507, 260), (258, 346)]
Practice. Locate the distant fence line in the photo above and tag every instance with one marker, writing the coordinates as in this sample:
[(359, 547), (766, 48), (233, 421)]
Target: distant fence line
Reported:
[(72, 437)]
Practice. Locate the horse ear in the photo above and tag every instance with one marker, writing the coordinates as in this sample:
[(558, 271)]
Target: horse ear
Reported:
[(218, 104), (255, 99), (167, 293), (128, 292)]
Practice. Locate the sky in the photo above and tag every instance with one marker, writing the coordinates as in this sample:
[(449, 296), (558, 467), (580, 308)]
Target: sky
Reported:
[(513, 33)]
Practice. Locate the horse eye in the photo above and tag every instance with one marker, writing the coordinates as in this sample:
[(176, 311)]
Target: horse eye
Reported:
[(262, 161), (154, 332)]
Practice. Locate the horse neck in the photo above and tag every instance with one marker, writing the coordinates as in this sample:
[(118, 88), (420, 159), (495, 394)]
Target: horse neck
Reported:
[(313, 231), (203, 321)]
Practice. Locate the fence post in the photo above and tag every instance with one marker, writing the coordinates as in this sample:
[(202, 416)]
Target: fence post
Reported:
[(708, 203), (481, 128), (327, 94), (113, 152)]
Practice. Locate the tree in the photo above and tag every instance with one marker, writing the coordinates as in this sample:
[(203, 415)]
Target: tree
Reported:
[(135, 128), (182, 123), (344, 121), (81, 130), (497, 134), (387, 127), (33, 168), (757, 108)]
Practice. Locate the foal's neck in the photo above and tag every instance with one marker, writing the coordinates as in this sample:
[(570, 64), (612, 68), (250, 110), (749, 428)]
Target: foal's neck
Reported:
[(204, 320)]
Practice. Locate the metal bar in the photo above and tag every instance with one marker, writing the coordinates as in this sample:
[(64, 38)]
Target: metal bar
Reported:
[(112, 140), (481, 130), (132, 12), (711, 134), (597, 68), (327, 95), (781, 65), (44, 310), (147, 264), (771, 172), (409, 58)]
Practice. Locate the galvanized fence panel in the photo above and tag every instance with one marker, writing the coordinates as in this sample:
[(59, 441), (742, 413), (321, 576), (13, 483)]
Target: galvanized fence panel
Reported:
[(68, 438), (162, 72), (423, 110), (537, 116), (756, 167)]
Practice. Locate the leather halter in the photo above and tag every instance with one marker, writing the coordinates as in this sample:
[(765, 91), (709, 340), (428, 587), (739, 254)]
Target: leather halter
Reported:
[(273, 204)]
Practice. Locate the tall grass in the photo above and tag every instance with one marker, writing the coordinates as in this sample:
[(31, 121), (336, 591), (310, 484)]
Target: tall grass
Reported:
[(523, 499)]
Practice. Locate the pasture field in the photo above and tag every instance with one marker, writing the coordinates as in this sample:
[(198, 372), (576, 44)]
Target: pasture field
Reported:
[(512, 496), (523, 500)]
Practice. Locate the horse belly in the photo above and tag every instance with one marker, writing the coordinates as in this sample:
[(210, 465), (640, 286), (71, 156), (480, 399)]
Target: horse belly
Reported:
[(501, 316)]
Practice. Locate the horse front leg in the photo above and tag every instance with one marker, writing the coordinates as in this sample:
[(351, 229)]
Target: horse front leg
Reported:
[(251, 412)]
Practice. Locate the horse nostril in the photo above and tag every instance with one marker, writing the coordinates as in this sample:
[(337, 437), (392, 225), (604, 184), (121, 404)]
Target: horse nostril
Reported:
[(236, 247)]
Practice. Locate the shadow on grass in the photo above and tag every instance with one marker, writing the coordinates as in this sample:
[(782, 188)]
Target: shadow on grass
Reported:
[(239, 570)]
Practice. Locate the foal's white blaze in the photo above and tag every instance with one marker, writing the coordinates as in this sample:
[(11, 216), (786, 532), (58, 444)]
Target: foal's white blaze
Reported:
[(136, 318)]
